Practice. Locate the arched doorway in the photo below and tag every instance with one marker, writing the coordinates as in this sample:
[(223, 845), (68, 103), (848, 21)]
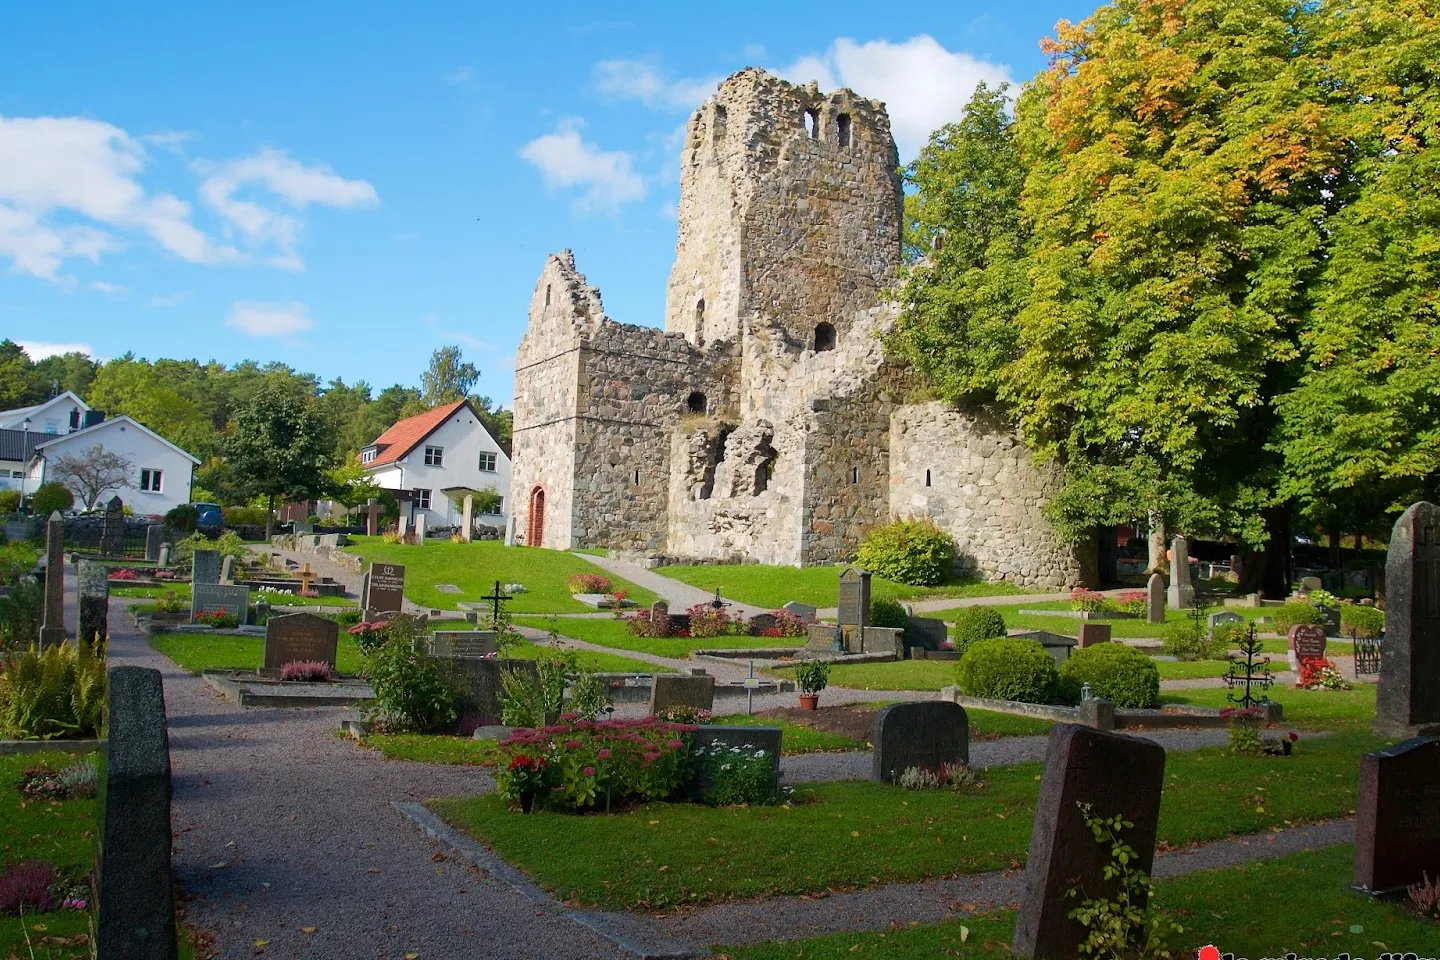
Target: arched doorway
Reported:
[(535, 531)]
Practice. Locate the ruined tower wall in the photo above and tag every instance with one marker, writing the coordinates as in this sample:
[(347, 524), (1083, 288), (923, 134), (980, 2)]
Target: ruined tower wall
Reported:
[(985, 490)]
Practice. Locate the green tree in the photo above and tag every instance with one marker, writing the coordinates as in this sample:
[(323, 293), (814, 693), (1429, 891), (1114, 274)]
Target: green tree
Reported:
[(19, 386), (68, 371), (350, 484), (278, 448), (49, 497), (448, 377)]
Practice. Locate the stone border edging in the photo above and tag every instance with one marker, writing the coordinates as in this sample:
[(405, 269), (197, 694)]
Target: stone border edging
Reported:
[(621, 929), (1205, 717), (232, 689), (10, 748)]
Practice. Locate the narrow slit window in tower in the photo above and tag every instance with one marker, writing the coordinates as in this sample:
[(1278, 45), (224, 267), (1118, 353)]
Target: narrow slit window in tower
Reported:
[(700, 322), (637, 478), (696, 403), (927, 478), (854, 474), (824, 337), (547, 294), (719, 125), (812, 124), (842, 127)]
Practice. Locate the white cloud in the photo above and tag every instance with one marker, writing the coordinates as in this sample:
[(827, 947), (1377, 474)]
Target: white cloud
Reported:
[(39, 349), (62, 167), (102, 286), (167, 299), (668, 211), (462, 75), (269, 319), (639, 80), (565, 160), (923, 85), (294, 183)]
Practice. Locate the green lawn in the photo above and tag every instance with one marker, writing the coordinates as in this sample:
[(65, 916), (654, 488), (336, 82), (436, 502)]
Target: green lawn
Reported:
[(854, 834), (896, 675), (768, 586), (796, 738), (60, 832), (1070, 626), (1352, 709), (432, 748), (1195, 669), (474, 568), (196, 652), (1231, 908), (591, 660), (610, 632), (274, 598)]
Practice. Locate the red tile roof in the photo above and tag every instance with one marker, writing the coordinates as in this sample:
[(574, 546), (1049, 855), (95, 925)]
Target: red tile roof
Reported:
[(403, 435)]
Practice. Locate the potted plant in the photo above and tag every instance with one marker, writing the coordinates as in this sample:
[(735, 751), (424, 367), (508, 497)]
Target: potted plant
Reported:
[(812, 676)]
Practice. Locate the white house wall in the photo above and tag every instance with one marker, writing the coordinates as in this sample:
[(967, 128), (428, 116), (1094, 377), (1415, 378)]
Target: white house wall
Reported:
[(127, 440), (463, 439)]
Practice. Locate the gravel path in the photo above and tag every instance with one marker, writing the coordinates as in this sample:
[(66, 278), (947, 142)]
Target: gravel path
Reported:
[(282, 826), (680, 596)]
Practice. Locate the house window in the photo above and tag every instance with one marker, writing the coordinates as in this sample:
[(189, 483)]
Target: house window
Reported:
[(434, 456), (367, 456), (17, 474), (487, 462), (498, 508), (422, 498), (150, 481)]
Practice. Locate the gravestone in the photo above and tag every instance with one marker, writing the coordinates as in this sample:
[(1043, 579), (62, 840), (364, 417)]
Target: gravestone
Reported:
[(659, 610), (1181, 595), (1307, 641), (1407, 701), (112, 530), (467, 518), (154, 539), (854, 604), (162, 560), (822, 637), (1056, 644), (384, 589), (92, 588), (1310, 584), (1221, 618), (300, 636), (479, 679), (420, 525), (510, 531), (134, 887), (688, 692), (464, 643), (802, 610), (52, 624), (1114, 774), (761, 622), (1092, 634), (402, 526), (227, 569), (925, 734), (927, 633), (718, 736), (219, 598), (1155, 599), (1397, 818), (205, 566)]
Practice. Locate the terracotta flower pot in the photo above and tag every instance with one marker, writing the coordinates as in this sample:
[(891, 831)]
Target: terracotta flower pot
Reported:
[(809, 701)]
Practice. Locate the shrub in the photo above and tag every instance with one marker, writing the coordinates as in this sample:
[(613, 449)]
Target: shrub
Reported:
[(244, 516), (787, 625), (1132, 602), (956, 776), (21, 611), (1227, 636), (812, 676), (977, 623), (1092, 601), (80, 779), (1115, 672), (9, 501), (50, 497), (218, 619), (559, 686), (1363, 621), (885, 612), (642, 624), (182, 518), (739, 774), (26, 886), (412, 691), (1188, 640), (59, 692), (1318, 673), (914, 552), (1245, 724), (578, 764), (589, 583), (1005, 668), (707, 621), (305, 671), (170, 603), (1292, 614)]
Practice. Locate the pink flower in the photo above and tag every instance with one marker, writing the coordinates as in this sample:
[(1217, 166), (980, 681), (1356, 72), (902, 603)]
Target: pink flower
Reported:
[(652, 756), (604, 753), (589, 771), (583, 725), (674, 744), (572, 744)]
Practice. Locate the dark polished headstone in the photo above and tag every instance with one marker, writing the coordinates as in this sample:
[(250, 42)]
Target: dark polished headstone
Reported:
[(205, 566), (300, 636), (225, 598), (1397, 818), (384, 589), (926, 734), (481, 685), (134, 892), (1113, 774), (672, 691), (1307, 640), (154, 537), (708, 736), (112, 532), (1407, 701)]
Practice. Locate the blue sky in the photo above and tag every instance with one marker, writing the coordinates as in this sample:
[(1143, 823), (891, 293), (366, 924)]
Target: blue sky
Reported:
[(347, 187)]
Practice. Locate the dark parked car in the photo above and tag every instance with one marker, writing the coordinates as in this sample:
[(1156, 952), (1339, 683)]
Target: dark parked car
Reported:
[(208, 519)]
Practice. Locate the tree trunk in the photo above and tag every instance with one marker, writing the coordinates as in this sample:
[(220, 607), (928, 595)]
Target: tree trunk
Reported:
[(1267, 571), (1335, 537), (1157, 542), (270, 519)]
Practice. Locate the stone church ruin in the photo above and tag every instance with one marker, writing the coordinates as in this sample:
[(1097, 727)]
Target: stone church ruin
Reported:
[(764, 422)]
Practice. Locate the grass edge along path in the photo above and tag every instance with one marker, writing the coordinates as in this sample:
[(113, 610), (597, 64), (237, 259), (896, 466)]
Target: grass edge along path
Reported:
[(855, 833), (765, 585), (1230, 907)]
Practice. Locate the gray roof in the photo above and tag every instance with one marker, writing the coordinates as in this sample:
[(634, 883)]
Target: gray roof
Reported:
[(17, 445)]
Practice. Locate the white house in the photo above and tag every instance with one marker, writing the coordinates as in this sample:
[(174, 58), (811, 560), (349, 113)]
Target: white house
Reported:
[(25, 428), (162, 476), (432, 460)]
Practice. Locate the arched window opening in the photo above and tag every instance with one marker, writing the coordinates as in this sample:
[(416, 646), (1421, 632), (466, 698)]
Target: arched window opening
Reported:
[(927, 478), (697, 402), (842, 127), (719, 125), (765, 471), (824, 337), (812, 123), (535, 530)]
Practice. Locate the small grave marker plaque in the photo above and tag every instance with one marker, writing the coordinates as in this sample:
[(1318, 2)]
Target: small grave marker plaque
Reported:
[(384, 588)]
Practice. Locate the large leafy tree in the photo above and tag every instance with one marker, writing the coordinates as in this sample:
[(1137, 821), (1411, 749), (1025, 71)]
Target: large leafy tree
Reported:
[(448, 378), (278, 449), (1190, 167), (19, 384)]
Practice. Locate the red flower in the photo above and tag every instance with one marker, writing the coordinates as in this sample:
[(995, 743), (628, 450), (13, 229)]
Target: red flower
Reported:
[(604, 753), (1294, 736), (674, 744), (589, 771), (572, 744)]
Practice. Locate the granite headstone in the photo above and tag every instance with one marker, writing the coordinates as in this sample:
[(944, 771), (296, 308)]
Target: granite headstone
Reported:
[(1407, 701), (671, 691), (92, 587), (154, 537), (112, 529), (384, 588), (925, 734), (1181, 595), (464, 643), (225, 598), (802, 610), (300, 636), (1092, 634), (1155, 599), (205, 566), (1397, 818)]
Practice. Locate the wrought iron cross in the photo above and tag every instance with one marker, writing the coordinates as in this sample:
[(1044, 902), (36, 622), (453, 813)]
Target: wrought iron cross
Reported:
[(1249, 672), (496, 598)]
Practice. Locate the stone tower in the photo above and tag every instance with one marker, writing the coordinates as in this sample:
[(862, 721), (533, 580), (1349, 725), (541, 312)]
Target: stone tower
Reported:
[(790, 209)]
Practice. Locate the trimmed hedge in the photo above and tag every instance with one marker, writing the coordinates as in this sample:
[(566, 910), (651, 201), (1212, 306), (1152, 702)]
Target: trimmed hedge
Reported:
[(885, 612), (977, 623), (1291, 614), (1115, 672), (913, 552), (1363, 621), (1006, 668)]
